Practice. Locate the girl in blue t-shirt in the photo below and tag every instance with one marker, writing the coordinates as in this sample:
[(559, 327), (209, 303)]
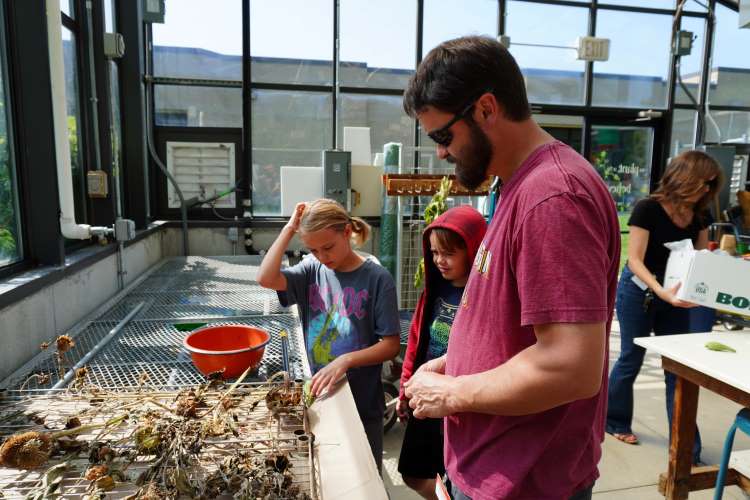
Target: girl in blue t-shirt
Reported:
[(347, 304)]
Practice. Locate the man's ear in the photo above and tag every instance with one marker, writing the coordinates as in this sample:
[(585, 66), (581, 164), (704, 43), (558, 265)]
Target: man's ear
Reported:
[(488, 109)]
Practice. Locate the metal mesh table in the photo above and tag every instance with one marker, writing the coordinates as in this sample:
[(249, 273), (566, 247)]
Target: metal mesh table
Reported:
[(213, 291)]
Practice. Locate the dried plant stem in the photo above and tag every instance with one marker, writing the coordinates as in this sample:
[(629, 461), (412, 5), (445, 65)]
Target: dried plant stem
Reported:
[(88, 427), (230, 390)]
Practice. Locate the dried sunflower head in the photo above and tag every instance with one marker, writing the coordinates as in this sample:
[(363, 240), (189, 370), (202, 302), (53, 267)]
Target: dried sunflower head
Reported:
[(64, 343), (188, 403), (105, 483), (72, 423), (151, 491), (25, 451), (147, 438), (81, 376), (96, 471)]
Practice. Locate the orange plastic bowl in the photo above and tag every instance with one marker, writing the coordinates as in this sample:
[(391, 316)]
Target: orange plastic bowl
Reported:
[(228, 348)]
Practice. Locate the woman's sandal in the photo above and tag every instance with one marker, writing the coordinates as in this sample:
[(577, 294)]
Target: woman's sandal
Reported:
[(627, 438)]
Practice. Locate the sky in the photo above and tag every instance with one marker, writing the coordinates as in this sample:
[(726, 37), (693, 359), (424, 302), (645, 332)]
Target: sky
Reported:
[(382, 33)]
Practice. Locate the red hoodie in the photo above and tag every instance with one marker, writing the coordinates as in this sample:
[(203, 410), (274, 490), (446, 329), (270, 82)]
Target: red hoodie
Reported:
[(470, 226)]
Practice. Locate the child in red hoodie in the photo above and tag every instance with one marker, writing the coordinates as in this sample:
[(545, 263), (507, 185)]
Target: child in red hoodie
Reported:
[(450, 244)]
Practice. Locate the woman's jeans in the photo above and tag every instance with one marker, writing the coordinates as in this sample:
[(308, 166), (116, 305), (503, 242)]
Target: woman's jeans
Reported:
[(639, 321)]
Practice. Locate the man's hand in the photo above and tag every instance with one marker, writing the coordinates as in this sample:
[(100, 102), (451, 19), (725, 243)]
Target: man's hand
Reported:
[(331, 373), (402, 410), (431, 394), (436, 365)]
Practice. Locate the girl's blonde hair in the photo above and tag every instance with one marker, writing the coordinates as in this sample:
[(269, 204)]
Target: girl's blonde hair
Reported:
[(329, 214), (686, 175)]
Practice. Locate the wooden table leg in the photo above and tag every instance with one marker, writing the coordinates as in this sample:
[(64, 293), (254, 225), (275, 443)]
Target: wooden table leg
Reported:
[(681, 442)]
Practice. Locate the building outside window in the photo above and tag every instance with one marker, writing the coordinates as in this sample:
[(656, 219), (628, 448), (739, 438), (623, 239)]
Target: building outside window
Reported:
[(293, 80)]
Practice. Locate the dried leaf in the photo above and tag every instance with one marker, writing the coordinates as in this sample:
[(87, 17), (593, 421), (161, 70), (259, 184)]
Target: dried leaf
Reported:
[(718, 346), (50, 483)]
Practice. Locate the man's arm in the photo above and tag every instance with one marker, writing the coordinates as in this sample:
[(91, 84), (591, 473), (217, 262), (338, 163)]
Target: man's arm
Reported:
[(565, 364)]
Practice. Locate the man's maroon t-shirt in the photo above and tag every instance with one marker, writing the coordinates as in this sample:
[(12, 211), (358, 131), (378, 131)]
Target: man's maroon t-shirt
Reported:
[(550, 255)]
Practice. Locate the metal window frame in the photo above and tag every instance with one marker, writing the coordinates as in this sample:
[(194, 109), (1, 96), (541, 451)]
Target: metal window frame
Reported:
[(103, 210), (30, 93), (587, 111), (135, 181)]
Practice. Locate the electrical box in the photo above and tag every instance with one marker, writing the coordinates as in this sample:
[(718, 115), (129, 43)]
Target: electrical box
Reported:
[(114, 45), (337, 175), (682, 44), (96, 184), (593, 49), (124, 230), (153, 11), (744, 14)]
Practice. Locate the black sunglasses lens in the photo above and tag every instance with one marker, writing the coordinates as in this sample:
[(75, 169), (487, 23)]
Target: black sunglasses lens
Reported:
[(441, 137)]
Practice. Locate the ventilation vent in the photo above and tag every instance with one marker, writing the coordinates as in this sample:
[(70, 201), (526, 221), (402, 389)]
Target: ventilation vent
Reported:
[(202, 169)]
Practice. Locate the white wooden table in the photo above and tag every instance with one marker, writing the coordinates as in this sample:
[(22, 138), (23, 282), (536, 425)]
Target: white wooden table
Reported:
[(725, 373)]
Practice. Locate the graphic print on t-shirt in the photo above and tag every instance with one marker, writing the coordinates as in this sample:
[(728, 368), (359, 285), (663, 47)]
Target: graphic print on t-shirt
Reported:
[(482, 260), (331, 332), (440, 328)]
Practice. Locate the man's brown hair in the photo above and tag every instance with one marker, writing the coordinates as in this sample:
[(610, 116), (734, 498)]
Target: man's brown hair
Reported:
[(460, 70)]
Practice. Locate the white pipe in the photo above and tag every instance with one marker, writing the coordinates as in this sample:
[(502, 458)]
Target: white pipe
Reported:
[(68, 226)]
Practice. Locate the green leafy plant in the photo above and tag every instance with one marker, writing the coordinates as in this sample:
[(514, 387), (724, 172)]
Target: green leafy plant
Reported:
[(432, 211)]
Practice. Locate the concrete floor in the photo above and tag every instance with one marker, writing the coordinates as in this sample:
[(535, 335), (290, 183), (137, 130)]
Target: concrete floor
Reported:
[(627, 472)]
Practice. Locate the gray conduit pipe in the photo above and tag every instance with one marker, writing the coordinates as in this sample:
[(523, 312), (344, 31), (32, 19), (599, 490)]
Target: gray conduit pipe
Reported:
[(98, 347), (152, 150)]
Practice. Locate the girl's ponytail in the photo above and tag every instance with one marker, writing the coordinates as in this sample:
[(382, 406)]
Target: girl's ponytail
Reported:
[(360, 231)]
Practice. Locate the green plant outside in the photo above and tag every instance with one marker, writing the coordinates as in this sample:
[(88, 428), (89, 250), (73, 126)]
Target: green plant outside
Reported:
[(8, 226), (624, 239)]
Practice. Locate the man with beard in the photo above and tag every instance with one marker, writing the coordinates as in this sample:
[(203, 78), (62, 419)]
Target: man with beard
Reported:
[(523, 383)]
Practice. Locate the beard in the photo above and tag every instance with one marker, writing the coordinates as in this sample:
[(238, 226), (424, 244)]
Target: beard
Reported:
[(474, 160)]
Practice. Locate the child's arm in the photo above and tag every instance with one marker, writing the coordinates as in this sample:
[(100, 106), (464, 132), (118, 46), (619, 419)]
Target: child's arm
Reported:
[(386, 349), (269, 274)]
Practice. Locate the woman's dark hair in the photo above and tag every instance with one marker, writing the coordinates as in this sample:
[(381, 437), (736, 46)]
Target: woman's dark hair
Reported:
[(460, 70), (687, 175)]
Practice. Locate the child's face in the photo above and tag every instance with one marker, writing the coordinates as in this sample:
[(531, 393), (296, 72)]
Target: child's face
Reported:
[(329, 246), (453, 264)]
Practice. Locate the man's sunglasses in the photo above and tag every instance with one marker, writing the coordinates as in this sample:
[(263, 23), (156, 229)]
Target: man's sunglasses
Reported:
[(443, 136)]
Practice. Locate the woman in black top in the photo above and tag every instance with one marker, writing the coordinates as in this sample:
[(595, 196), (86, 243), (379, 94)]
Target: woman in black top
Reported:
[(677, 210)]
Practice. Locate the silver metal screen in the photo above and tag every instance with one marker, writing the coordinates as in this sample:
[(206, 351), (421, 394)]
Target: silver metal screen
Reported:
[(179, 295)]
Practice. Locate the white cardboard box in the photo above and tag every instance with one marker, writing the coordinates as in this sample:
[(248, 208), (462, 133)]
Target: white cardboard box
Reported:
[(711, 280)]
